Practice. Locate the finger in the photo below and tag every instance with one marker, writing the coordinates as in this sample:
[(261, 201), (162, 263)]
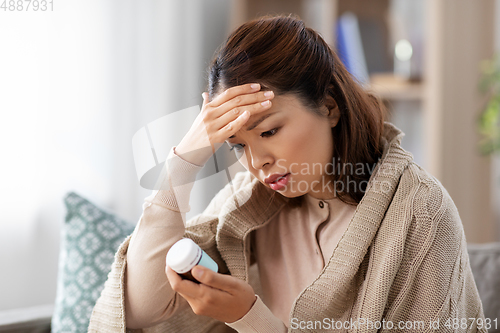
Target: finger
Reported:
[(209, 302), (233, 127), (180, 285), (191, 291), (254, 103), (204, 95), (219, 281), (233, 92), (248, 100), (233, 114)]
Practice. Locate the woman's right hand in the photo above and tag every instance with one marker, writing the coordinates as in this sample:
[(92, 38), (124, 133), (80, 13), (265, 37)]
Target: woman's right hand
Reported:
[(221, 118)]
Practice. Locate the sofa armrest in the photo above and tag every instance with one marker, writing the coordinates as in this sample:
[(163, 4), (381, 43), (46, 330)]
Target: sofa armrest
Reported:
[(27, 320), (485, 265)]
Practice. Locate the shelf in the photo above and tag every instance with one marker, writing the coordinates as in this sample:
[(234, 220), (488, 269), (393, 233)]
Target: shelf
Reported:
[(390, 87), (448, 96)]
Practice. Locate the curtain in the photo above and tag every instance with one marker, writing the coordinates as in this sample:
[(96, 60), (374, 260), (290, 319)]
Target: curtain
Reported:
[(76, 83)]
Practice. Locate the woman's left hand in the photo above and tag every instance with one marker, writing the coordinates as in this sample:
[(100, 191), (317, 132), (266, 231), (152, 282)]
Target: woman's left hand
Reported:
[(222, 297)]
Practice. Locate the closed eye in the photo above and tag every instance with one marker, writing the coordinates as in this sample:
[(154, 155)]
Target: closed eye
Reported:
[(239, 146), (269, 133)]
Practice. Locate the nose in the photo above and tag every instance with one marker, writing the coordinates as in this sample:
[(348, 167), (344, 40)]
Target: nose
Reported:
[(259, 157)]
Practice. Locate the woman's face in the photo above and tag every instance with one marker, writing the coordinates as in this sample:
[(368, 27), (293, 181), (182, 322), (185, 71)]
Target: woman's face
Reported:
[(290, 140)]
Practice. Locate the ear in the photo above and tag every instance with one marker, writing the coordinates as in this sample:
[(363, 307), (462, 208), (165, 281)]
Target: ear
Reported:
[(331, 109)]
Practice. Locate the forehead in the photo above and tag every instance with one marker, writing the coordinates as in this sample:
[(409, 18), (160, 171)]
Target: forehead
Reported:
[(283, 106), (289, 104)]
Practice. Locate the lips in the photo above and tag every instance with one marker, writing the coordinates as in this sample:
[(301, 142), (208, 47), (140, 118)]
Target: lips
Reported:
[(280, 183), (280, 178), (274, 178)]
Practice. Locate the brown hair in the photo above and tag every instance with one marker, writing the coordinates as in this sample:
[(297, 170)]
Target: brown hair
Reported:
[(283, 55)]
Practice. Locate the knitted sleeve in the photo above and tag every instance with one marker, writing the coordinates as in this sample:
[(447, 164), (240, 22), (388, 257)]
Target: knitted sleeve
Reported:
[(137, 292), (444, 273), (433, 286)]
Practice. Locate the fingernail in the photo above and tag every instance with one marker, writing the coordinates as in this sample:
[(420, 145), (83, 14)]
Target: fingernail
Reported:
[(268, 93), (197, 272), (265, 103), (254, 86)]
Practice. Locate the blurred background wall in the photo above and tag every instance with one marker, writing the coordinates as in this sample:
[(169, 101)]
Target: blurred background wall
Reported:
[(77, 82)]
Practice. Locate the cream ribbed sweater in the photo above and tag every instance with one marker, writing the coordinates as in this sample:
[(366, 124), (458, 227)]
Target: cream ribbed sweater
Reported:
[(403, 256)]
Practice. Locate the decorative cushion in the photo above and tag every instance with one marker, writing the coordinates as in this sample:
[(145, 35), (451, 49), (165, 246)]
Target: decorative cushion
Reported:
[(90, 238)]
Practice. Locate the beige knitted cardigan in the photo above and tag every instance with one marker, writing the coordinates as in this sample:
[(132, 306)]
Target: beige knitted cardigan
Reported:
[(403, 256)]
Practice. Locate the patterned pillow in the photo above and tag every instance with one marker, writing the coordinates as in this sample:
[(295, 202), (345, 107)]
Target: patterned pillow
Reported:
[(89, 240)]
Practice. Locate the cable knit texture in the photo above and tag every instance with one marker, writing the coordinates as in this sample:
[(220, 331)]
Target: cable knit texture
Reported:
[(403, 256)]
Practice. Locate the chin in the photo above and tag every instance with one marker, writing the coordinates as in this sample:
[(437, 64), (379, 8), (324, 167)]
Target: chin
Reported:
[(291, 195)]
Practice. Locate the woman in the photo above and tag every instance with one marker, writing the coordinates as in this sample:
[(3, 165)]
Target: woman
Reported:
[(333, 226)]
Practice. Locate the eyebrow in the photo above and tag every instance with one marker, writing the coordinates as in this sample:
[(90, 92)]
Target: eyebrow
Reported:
[(257, 122)]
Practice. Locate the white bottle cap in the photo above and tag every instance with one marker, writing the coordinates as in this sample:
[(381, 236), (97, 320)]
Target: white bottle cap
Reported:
[(183, 255)]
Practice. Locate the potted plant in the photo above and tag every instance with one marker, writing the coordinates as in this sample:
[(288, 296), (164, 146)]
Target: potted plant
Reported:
[(489, 119)]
